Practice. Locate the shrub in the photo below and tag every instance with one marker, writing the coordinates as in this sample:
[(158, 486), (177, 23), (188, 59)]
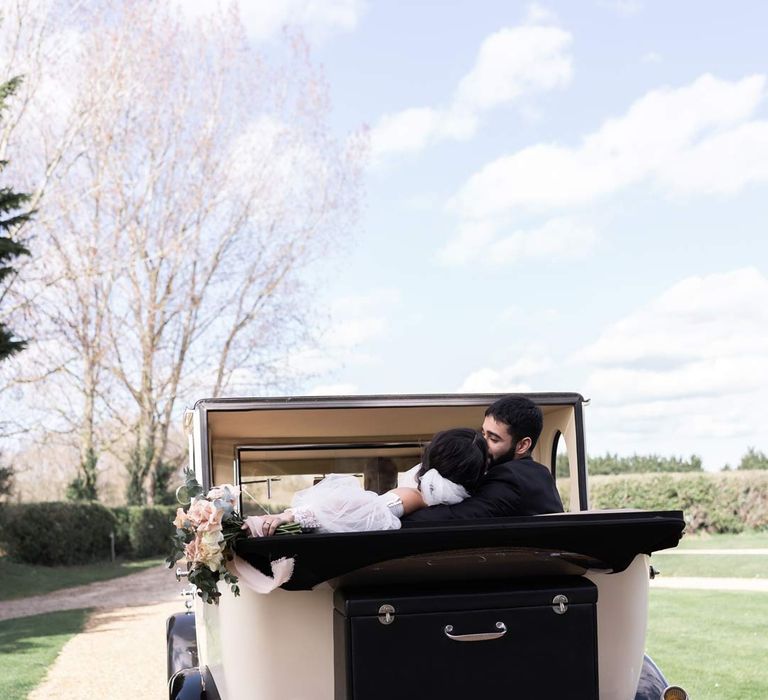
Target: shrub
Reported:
[(753, 459), (150, 529), (57, 533), (712, 502), (634, 464)]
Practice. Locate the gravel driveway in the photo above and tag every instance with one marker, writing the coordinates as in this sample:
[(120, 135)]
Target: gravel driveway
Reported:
[(155, 585), (121, 652)]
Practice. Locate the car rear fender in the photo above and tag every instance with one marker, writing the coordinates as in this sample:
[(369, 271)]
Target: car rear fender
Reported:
[(192, 684), (182, 642), (652, 682)]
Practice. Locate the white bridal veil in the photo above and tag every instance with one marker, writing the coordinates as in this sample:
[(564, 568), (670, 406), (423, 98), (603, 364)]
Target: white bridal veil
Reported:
[(340, 504)]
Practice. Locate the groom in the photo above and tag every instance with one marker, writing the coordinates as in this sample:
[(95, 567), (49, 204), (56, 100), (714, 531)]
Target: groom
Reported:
[(514, 484)]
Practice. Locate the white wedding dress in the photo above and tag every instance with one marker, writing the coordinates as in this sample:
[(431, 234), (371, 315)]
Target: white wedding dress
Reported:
[(340, 504)]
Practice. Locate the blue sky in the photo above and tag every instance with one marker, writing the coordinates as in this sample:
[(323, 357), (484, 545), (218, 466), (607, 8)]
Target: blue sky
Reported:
[(566, 196)]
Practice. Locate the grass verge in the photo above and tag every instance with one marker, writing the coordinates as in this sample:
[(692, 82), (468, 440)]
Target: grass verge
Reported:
[(29, 645), (712, 643), (22, 580)]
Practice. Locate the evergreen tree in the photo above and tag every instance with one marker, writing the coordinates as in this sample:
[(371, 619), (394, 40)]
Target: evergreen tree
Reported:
[(10, 220), (6, 478), (83, 486)]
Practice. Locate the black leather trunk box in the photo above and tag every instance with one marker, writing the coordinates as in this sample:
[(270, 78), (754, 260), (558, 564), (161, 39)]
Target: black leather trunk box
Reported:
[(494, 641)]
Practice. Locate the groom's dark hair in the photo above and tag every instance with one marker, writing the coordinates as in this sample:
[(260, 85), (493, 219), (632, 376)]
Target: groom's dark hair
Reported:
[(522, 417), (459, 454)]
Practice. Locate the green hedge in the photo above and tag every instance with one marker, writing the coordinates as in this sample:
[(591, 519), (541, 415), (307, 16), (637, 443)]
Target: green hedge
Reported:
[(122, 531), (78, 533), (55, 534), (149, 530), (143, 531), (712, 502)]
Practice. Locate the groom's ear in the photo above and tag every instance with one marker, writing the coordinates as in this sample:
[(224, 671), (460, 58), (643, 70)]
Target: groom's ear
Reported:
[(523, 447)]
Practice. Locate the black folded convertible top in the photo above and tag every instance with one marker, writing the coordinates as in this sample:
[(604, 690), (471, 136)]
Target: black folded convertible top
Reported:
[(609, 540)]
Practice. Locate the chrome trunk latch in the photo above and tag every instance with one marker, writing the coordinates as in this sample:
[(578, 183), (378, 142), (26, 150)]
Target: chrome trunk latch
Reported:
[(386, 614), (560, 604), (180, 573), (189, 598)]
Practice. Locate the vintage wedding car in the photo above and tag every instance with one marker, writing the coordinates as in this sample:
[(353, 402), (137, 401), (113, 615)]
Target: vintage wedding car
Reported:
[(551, 606)]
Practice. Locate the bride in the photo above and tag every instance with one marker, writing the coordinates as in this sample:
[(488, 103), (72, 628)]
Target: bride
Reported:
[(451, 465)]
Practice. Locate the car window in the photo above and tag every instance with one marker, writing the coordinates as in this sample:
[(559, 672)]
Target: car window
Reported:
[(269, 475)]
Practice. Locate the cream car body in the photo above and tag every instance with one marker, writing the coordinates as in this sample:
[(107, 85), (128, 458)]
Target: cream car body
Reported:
[(281, 644)]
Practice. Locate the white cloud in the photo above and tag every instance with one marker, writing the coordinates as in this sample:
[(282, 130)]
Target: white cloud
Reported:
[(355, 323), (413, 129), (710, 377), (716, 317), (722, 164), (689, 368), (515, 61), (658, 137), (511, 63), (702, 138), (512, 378), (264, 19), (560, 237)]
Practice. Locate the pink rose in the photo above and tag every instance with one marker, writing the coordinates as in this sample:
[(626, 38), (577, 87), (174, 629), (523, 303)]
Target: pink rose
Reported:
[(226, 492), (201, 511), (181, 517), (209, 550), (213, 521), (190, 551)]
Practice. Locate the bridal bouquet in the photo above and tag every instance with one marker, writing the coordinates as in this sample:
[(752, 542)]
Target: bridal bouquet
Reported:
[(205, 536)]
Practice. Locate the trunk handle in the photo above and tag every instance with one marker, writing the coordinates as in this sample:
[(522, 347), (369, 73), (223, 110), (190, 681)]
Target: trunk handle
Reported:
[(480, 637)]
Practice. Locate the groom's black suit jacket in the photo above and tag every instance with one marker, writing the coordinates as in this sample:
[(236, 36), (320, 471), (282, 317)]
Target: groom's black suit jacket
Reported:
[(515, 487)]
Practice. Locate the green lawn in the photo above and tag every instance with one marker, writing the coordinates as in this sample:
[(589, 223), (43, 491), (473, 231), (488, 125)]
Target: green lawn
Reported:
[(670, 563), (711, 565), (21, 580), (29, 645), (712, 643), (744, 540)]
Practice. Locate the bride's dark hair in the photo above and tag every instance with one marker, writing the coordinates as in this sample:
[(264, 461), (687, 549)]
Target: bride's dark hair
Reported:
[(459, 454)]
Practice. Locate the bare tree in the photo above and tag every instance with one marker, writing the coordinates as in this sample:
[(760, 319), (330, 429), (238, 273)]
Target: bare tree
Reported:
[(200, 182), (44, 125)]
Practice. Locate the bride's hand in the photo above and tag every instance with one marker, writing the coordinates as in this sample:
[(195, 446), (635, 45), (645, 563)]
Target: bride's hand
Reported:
[(265, 525)]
